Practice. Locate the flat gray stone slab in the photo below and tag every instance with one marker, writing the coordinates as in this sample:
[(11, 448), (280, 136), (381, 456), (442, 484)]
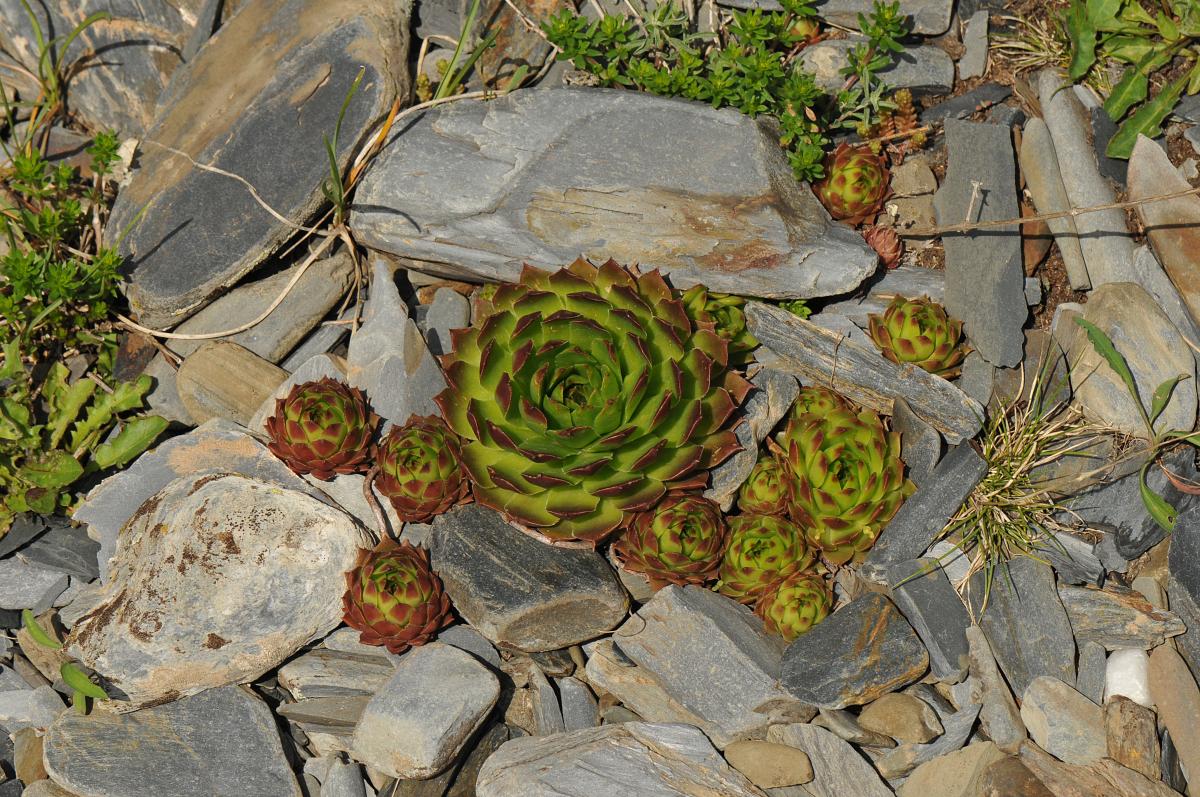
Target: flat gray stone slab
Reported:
[(222, 742), (543, 176), (922, 69), (255, 101)]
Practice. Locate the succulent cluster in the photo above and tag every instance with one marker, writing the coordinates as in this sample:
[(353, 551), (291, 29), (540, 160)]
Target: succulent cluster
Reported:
[(919, 331), (393, 598), (584, 396), (855, 184), (886, 243)]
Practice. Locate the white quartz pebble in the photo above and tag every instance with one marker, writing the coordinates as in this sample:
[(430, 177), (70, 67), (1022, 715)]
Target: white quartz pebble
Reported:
[(1128, 674)]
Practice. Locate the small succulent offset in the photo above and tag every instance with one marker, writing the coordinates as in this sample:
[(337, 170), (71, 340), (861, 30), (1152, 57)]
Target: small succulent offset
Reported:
[(794, 604), (768, 488), (849, 479), (724, 311), (762, 549), (420, 470), (886, 243), (393, 598), (323, 428), (680, 541), (584, 396), (855, 184), (919, 331)]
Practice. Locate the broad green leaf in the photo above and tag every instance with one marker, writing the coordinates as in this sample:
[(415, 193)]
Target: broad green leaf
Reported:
[(1105, 348), (65, 406), (1134, 12), (1163, 513), (1167, 27), (135, 437), (42, 500), (76, 679), (1130, 49), (1083, 40), (1103, 14), (37, 633), (12, 359), (51, 469), (1147, 120), (1132, 89), (1162, 395), (102, 414)]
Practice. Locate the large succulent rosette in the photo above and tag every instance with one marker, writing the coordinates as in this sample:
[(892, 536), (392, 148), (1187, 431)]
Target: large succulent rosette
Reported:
[(849, 479), (761, 550), (585, 396), (793, 605), (323, 428), (419, 469), (393, 598), (768, 488), (918, 331), (725, 312), (680, 541), (855, 184)]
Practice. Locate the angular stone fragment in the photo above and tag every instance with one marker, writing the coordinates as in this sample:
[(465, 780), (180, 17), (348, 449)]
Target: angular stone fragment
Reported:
[(1178, 700), (712, 656), (1025, 623), (820, 357), (955, 775), (1063, 722), (1039, 166), (419, 720), (933, 608), (860, 652), (1090, 675), (985, 285), (633, 759), (901, 716), (846, 726), (998, 716), (519, 592), (224, 380), (769, 765), (1106, 777), (217, 579), (1132, 736), (332, 673), (909, 755), (1008, 777), (535, 183), (254, 101), (838, 769), (579, 707), (222, 741), (1183, 584), (922, 69), (612, 672), (1117, 617)]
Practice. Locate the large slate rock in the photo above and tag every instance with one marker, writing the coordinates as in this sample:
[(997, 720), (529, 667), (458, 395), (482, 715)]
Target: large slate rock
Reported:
[(1025, 622), (136, 53), (536, 179), (1117, 617), (1039, 165), (862, 651), (216, 579), (222, 742), (255, 101), (821, 357), (985, 285), (519, 592), (632, 759), (712, 656)]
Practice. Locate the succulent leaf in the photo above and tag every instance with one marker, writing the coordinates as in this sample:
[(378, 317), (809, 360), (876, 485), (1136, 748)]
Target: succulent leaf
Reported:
[(768, 488), (393, 598), (420, 469), (323, 428), (584, 396), (919, 331)]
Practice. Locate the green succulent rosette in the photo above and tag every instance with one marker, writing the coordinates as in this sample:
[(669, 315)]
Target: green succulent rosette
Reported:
[(855, 185), (725, 312), (817, 401), (680, 541), (792, 605), (849, 479), (419, 469), (323, 428), (584, 396), (768, 488), (762, 549), (918, 331), (393, 598)]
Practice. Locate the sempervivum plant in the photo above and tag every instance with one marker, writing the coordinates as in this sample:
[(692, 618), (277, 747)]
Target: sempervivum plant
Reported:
[(323, 428), (849, 479), (794, 604), (886, 243), (724, 311), (817, 401), (584, 396), (420, 470), (680, 541), (393, 598), (768, 488), (855, 184), (918, 331), (761, 549)]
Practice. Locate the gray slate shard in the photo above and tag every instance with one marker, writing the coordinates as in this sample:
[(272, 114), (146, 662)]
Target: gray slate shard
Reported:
[(534, 181), (964, 105), (67, 549), (838, 769), (24, 528), (985, 282), (519, 592), (1183, 587), (925, 513), (923, 69), (222, 742), (1025, 623), (255, 101), (936, 613), (862, 651)]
